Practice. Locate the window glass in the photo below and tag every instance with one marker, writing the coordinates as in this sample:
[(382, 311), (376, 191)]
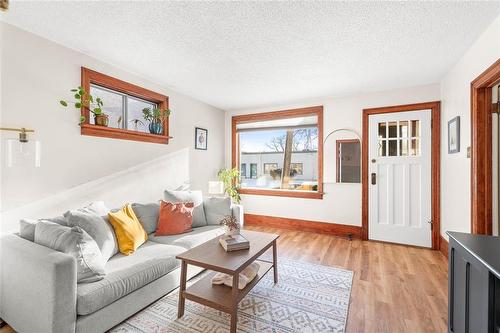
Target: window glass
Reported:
[(243, 170), (280, 144), (113, 105), (135, 120)]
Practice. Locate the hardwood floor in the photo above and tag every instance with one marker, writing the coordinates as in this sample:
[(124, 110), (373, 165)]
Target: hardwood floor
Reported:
[(396, 288)]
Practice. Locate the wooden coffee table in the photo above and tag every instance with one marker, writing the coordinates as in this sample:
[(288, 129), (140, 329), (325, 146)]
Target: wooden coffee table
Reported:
[(211, 255)]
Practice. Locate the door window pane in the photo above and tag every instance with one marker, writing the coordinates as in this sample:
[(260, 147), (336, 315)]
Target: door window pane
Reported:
[(403, 147), (415, 128), (382, 130), (393, 129), (415, 147), (135, 120), (393, 147), (113, 105), (382, 148), (403, 129)]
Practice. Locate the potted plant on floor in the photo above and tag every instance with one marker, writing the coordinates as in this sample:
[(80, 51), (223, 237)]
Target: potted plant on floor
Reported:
[(83, 99), (156, 117), (231, 180)]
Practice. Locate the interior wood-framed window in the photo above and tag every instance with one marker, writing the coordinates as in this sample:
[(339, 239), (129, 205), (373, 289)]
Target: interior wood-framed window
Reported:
[(123, 103), (284, 150)]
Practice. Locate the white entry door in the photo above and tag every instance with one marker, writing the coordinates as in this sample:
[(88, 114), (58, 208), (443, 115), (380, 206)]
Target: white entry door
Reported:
[(399, 177)]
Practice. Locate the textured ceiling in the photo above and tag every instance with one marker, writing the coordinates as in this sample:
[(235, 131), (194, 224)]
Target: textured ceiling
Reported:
[(246, 54)]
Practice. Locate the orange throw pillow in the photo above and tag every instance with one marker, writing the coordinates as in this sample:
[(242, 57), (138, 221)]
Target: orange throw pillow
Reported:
[(175, 218)]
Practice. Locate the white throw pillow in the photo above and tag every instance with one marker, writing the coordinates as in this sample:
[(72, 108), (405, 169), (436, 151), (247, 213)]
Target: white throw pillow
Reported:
[(27, 226), (94, 221), (195, 197), (75, 242)]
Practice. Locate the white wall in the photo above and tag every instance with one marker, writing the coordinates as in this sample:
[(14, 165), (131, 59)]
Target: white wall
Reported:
[(342, 202), (455, 98), (75, 169)]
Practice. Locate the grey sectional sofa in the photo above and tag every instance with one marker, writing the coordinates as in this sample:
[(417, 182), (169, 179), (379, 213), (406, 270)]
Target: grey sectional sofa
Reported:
[(39, 292)]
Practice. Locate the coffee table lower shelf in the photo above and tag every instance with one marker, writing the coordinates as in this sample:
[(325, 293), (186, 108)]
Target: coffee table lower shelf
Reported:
[(220, 296)]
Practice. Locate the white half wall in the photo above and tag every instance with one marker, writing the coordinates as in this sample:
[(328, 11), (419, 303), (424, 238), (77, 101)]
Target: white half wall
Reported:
[(341, 202), (75, 169), (455, 98)]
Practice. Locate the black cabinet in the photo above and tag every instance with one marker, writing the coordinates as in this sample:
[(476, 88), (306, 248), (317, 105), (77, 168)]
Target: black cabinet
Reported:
[(473, 283)]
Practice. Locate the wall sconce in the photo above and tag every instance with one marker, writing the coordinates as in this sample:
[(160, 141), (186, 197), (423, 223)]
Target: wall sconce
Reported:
[(22, 151)]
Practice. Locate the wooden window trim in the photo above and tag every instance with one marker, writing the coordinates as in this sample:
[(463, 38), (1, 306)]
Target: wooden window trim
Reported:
[(314, 110), (337, 155), (89, 77)]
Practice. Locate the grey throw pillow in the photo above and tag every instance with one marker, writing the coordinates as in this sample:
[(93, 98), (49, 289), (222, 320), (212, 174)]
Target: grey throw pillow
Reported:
[(147, 215), (216, 209), (27, 226), (98, 227), (195, 197), (75, 242)]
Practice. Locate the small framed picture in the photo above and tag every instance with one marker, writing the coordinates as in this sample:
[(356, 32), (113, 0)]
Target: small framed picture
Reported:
[(454, 135), (200, 138)]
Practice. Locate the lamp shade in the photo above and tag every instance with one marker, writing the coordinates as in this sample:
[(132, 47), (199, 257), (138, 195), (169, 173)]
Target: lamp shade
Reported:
[(215, 187), (23, 154)]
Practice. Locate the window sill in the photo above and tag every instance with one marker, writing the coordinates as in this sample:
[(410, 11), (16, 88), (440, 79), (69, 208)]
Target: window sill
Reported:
[(282, 193), (118, 133)]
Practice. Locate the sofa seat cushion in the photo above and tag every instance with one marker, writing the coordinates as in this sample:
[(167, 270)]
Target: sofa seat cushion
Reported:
[(189, 240), (125, 274)]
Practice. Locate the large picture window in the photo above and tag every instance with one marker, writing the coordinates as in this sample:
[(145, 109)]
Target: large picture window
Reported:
[(284, 151)]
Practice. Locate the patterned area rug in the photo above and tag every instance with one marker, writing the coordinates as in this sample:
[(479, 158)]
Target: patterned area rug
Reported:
[(307, 298)]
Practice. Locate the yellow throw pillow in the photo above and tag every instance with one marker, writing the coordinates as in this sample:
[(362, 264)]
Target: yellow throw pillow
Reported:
[(129, 232)]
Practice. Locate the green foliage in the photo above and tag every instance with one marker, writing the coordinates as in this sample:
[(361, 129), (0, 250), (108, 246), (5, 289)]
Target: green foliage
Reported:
[(155, 115), (83, 99), (231, 180)]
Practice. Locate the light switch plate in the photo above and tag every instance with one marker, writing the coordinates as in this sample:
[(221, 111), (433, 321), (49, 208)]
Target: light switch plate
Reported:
[(468, 152)]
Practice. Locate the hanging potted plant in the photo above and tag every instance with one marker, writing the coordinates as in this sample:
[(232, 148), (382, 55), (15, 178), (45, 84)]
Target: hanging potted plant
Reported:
[(156, 117), (83, 99)]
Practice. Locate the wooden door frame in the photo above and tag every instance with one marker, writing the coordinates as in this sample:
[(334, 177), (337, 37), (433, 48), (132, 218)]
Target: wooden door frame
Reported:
[(435, 108), (481, 150)]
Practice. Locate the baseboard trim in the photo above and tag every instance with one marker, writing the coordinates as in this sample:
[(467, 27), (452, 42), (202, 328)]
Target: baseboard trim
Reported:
[(443, 246), (341, 230)]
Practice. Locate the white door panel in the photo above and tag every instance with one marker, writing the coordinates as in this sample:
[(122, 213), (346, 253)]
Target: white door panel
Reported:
[(400, 160)]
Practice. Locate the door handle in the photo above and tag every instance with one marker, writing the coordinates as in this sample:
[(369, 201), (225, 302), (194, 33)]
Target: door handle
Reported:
[(374, 178)]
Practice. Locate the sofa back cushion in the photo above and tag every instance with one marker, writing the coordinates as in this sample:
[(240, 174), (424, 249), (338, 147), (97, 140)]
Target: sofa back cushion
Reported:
[(216, 209), (75, 242), (27, 226), (98, 227), (129, 232), (195, 197), (147, 215), (175, 218)]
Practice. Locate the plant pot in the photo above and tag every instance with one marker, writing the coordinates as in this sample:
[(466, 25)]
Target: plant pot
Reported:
[(156, 128), (101, 120)]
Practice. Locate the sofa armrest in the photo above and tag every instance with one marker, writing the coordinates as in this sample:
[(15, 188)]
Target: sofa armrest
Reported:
[(37, 287), (237, 211)]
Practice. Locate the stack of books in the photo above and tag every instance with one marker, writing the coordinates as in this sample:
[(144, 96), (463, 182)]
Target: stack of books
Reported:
[(234, 243)]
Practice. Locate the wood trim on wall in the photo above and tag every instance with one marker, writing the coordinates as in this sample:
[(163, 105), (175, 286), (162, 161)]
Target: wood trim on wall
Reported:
[(89, 77), (443, 246), (481, 150), (314, 110), (341, 230), (435, 163)]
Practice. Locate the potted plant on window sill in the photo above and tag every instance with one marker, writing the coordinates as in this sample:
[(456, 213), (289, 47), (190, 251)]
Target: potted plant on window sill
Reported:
[(83, 99), (156, 118)]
